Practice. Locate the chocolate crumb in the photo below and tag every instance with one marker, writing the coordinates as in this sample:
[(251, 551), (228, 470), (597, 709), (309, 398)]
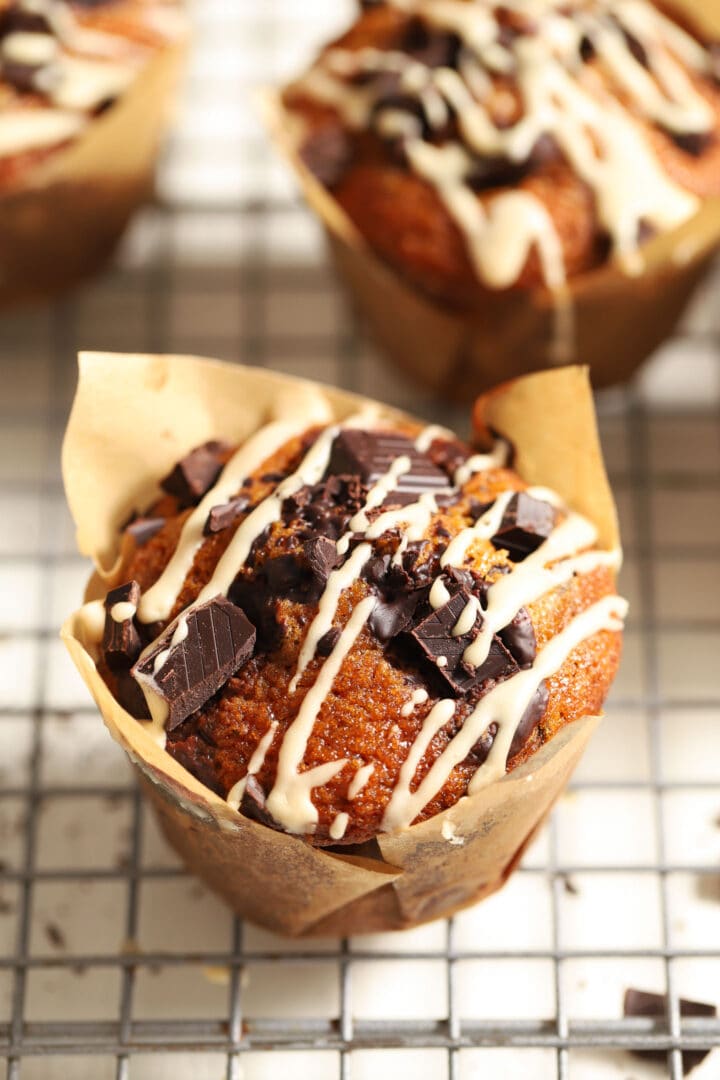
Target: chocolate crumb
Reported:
[(142, 529), (222, 516), (328, 641), (55, 935)]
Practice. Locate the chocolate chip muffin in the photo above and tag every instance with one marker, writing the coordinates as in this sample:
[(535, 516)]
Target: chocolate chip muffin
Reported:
[(343, 630), (481, 147), (64, 64)]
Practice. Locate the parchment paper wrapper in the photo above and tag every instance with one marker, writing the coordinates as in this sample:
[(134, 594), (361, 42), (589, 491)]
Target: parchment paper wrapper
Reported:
[(414, 874), (613, 321), (63, 223)]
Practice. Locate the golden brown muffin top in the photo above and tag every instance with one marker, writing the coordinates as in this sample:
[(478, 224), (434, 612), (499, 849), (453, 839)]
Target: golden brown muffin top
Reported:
[(64, 63), (346, 629), (515, 143)]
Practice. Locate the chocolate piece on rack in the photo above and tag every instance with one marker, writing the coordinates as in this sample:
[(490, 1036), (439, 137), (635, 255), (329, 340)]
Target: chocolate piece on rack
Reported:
[(196, 473), (518, 637), (121, 640), (529, 719), (222, 516), (526, 523), (219, 640), (370, 454), (434, 637), (643, 1003)]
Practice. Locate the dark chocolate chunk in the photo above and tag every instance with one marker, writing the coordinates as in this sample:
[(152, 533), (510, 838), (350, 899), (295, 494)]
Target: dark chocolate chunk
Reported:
[(285, 576), (326, 508), (252, 594), (16, 18), (219, 641), (130, 695), (483, 746), (195, 474), (252, 804), (643, 1003), (389, 617), (328, 641), (370, 454), (526, 523), (529, 719), (490, 172), (322, 556), (635, 48), (434, 637), (327, 153), (121, 640), (586, 49), (519, 638), (222, 516), (692, 142), (142, 529), (476, 509), (432, 47)]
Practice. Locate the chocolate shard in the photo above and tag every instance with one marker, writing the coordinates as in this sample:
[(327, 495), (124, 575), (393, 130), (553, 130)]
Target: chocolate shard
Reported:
[(529, 719), (483, 746), (142, 529), (434, 637), (370, 454), (322, 556), (121, 641), (129, 694), (252, 594), (693, 143), (328, 641), (222, 516), (252, 804), (518, 637), (526, 523), (644, 1003), (390, 617), (219, 640), (196, 473)]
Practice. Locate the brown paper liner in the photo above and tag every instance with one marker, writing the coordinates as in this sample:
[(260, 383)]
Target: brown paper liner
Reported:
[(415, 874), (617, 320), (64, 222)]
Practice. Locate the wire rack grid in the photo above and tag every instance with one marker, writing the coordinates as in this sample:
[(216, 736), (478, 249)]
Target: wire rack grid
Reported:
[(114, 963)]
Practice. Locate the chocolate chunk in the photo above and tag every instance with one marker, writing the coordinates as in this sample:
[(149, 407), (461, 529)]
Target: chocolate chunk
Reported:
[(490, 172), (476, 509), (643, 1003), (252, 594), (434, 637), (635, 48), (389, 617), (322, 556), (586, 49), (326, 507), (370, 454), (252, 804), (142, 529), (692, 142), (222, 516), (16, 18), (432, 47), (518, 637), (483, 746), (529, 719), (130, 695), (195, 474), (327, 153), (121, 640), (328, 641), (526, 523), (219, 640), (285, 576)]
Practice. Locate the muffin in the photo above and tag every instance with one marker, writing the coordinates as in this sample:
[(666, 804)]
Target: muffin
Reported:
[(349, 627), (84, 94), (521, 180)]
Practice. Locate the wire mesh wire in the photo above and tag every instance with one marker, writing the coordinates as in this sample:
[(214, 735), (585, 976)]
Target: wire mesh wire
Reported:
[(115, 963)]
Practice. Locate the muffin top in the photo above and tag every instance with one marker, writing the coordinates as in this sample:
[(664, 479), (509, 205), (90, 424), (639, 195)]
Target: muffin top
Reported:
[(345, 629), (62, 64), (482, 146)]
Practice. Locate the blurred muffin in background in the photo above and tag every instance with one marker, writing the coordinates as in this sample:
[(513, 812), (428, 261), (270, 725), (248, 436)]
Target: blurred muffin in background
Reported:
[(84, 95), (512, 172)]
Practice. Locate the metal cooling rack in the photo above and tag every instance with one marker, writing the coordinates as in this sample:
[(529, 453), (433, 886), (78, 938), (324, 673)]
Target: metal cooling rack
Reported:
[(113, 962)]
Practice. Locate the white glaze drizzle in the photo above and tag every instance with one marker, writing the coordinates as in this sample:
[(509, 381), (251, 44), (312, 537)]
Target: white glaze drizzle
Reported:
[(496, 459), (467, 617), (502, 705), (360, 780), (418, 697), (255, 764), (289, 801), (596, 132), (157, 602), (339, 825), (122, 611)]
